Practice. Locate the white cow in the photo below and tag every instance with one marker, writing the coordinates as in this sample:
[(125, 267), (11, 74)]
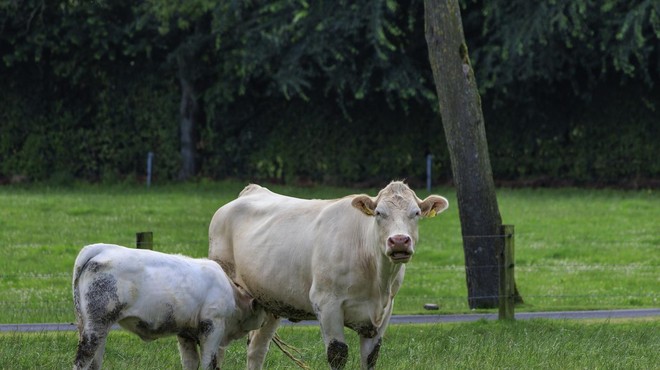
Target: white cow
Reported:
[(155, 295), (340, 261)]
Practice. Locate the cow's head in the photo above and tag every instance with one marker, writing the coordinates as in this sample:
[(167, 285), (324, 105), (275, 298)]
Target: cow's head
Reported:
[(397, 210)]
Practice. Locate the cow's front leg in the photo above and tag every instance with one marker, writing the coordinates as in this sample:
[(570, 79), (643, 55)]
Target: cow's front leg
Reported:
[(331, 318), (259, 341), (370, 345), (369, 349)]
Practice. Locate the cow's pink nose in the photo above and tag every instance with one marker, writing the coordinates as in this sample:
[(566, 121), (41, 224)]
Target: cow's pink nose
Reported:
[(398, 241)]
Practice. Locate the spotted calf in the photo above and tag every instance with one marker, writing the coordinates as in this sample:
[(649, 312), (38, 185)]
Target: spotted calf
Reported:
[(155, 295)]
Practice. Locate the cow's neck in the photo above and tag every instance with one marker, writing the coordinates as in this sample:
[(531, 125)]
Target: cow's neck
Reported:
[(387, 276)]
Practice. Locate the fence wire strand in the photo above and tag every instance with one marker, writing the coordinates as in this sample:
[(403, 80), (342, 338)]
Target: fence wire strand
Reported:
[(420, 269), (62, 308)]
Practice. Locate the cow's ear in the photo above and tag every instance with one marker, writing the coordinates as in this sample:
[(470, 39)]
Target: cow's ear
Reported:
[(365, 204), (433, 205)]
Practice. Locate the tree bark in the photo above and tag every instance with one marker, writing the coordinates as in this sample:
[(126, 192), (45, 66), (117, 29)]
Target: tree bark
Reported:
[(463, 122), (191, 73)]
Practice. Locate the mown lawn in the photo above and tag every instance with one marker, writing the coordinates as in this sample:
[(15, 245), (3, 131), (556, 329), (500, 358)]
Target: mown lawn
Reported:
[(537, 344), (575, 249)]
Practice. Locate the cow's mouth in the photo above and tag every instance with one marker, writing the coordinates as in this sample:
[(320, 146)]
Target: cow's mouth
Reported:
[(400, 256)]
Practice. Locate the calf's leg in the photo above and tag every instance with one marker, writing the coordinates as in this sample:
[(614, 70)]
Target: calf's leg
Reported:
[(220, 356), (209, 343), (91, 346), (188, 352)]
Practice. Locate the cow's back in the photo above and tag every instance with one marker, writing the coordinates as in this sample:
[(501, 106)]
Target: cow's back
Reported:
[(139, 278)]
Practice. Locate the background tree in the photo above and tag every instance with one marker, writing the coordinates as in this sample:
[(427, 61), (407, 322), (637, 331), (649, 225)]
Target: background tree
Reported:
[(291, 90), (462, 118), (81, 92), (569, 87), (520, 44)]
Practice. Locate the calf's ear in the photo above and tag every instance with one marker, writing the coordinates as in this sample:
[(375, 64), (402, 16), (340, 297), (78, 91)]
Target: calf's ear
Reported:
[(365, 204), (254, 305), (433, 205)]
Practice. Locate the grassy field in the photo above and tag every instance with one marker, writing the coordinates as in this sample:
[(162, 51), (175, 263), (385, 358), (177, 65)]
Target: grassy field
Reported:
[(534, 344), (575, 249)]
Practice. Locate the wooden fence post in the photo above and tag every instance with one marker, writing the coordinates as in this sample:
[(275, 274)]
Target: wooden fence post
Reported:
[(144, 240), (506, 269)]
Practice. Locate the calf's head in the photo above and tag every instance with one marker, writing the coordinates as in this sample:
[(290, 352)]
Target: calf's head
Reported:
[(396, 210), (250, 314)]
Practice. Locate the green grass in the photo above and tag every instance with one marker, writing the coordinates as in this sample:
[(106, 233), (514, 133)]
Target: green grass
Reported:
[(575, 249), (537, 344)]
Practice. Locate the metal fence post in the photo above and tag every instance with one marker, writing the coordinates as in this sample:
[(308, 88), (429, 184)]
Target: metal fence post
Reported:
[(150, 160), (144, 240), (429, 165)]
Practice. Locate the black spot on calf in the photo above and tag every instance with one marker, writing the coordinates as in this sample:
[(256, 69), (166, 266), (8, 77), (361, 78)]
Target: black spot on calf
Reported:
[(205, 327), (93, 266), (87, 346), (103, 292)]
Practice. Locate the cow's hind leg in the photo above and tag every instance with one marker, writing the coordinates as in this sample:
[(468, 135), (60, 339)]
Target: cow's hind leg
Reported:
[(259, 341), (188, 352)]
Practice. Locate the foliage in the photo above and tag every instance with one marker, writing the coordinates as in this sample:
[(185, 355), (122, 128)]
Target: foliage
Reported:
[(80, 103), (90, 87), (521, 44), (315, 143)]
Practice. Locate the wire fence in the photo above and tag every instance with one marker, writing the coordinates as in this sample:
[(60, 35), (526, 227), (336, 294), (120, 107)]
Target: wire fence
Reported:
[(566, 267), (52, 301), (49, 298)]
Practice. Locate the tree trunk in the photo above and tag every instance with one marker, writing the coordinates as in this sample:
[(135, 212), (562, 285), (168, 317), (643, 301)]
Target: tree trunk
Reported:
[(189, 113), (463, 122)]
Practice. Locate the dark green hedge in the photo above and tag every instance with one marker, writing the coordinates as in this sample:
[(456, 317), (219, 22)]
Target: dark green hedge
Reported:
[(104, 136), (337, 93), (317, 141), (610, 140), (607, 140)]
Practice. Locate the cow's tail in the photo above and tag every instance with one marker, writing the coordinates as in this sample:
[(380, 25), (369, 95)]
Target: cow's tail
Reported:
[(85, 255), (285, 347)]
